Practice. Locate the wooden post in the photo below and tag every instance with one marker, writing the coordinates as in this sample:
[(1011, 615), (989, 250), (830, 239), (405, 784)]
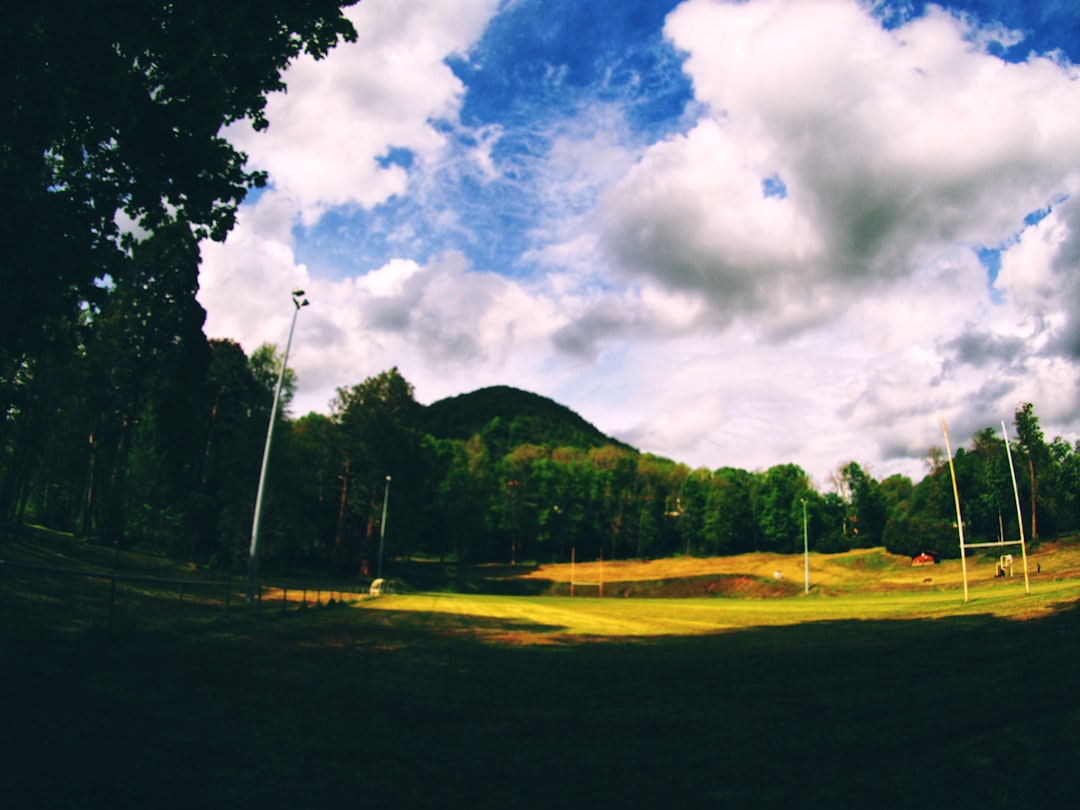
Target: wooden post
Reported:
[(571, 572)]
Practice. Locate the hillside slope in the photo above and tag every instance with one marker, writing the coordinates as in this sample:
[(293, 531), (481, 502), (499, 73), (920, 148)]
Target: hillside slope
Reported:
[(508, 417)]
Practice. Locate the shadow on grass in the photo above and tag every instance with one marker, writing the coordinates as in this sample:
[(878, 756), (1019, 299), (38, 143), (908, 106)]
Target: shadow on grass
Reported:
[(459, 626), (375, 707)]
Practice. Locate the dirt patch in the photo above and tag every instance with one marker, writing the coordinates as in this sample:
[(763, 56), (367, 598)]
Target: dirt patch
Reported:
[(739, 586)]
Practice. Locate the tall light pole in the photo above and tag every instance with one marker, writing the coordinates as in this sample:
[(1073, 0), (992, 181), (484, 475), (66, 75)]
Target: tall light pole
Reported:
[(253, 554), (806, 546), (382, 528)]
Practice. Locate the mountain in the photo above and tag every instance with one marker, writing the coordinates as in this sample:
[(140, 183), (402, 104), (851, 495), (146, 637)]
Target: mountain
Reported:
[(508, 417)]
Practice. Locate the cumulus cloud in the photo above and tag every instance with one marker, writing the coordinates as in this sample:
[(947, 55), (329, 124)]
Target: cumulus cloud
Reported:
[(333, 133), (447, 326), (788, 272), (887, 145)]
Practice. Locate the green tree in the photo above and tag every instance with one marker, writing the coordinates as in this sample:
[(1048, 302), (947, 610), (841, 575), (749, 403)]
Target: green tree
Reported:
[(828, 517), (308, 489), (145, 361), (1031, 441), (44, 454), (517, 508), (1066, 461), (265, 363), (235, 411), (117, 107), (730, 521), (379, 436), (112, 113), (651, 500), (615, 484), (464, 481), (869, 512), (691, 506), (783, 488)]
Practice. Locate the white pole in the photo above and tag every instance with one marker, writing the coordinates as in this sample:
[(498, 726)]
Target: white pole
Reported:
[(253, 553), (1019, 516), (382, 527), (956, 497), (806, 545)]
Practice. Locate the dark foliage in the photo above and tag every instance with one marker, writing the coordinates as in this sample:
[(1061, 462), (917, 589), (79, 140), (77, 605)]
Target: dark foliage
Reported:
[(508, 417)]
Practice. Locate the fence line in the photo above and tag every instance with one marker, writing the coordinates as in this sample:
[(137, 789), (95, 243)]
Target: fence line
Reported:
[(192, 586)]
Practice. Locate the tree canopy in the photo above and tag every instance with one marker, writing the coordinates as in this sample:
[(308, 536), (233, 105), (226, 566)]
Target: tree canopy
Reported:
[(111, 111), (112, 169)]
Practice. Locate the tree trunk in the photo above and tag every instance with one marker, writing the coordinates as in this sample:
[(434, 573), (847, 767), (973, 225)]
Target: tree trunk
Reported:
[(86, 526), (1031, 467), (339, 538)]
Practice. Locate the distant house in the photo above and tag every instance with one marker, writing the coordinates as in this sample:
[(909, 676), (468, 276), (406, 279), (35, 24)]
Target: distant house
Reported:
[(924, 559)]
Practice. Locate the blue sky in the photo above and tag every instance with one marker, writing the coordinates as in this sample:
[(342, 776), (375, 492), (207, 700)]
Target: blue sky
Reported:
[(732, 234)]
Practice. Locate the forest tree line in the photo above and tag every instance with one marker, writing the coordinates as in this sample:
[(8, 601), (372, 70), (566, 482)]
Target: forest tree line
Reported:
[(152, 439)]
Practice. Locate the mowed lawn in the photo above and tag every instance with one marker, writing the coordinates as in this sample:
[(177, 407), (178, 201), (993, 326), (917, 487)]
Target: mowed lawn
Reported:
[(863, 585), (883, 698), (530, 620)]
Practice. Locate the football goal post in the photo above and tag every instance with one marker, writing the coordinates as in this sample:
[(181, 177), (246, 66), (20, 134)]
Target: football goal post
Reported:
[(1006, 559), (576, 583)]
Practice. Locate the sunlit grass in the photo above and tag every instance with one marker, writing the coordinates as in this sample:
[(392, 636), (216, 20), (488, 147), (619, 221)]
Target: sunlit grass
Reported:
[(550, 617)]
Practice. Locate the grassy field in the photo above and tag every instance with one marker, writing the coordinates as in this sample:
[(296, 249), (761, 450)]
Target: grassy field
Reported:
[(870, 692)]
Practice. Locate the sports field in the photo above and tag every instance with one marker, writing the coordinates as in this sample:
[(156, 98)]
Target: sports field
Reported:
[(862, 585), (867, 695)]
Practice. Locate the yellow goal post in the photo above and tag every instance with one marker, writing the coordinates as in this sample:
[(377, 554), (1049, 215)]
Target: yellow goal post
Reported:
[(574, 581), (960, 521)]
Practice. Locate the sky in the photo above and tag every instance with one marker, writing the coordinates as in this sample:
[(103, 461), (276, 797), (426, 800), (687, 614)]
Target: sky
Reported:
[(728, 233)]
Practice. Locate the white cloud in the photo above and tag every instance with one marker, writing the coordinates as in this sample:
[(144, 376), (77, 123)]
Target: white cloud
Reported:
[(245, 283), (890, 145), (690, 312), (342, 113)]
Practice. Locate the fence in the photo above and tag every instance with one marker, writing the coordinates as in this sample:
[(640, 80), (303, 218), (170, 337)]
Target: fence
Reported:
[(82, 599)]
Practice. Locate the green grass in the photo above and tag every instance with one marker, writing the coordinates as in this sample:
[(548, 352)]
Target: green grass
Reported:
[(884, 699), (562, 618)]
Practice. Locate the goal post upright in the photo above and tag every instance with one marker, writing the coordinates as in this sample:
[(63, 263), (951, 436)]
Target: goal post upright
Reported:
[(1019, 515), (574, 581), (956, 498)]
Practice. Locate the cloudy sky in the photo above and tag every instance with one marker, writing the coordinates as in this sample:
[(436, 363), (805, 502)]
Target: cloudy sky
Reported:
[(729, 233)]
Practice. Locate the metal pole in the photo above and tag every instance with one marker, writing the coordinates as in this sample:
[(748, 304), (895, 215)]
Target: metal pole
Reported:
[(382, 527), (806, 545), (253, 552)]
